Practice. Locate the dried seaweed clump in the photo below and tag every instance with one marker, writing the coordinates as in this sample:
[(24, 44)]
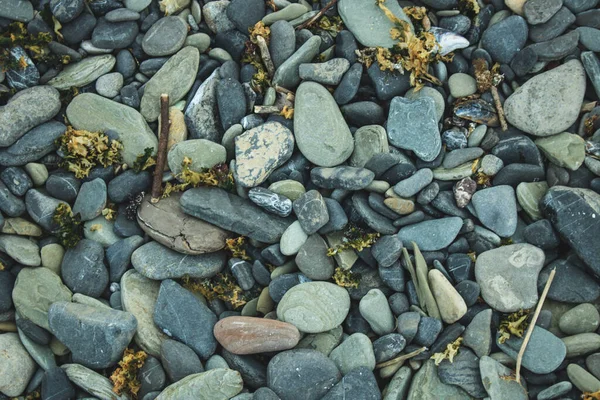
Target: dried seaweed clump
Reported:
[(260, 80), (333, 25), (287, 112), (469, 7), (220, 286), (110, 212), (346, 278), (354, 238), (237, 247), (591, 396), (144, 161), (83, 150), (413, 52), (16, 35), (449, 353), (219, 176), (513, 324), (125, 377), (70, 227), (486, 78)]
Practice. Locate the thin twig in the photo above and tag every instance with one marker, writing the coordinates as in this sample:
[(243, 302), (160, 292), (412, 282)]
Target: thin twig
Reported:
[(319, 15), (401, 358), (265, 55), (281, 89), (161, 155), (499, 108), (538, 309), (266, 109)]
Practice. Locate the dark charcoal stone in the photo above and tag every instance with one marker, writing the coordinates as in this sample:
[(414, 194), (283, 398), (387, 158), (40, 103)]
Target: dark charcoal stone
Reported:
[(464, 373), (553, 28), (32, 331), (128, 184), (428, 331), (34, 145), (114, 35), (17, 180), (570, 285), (56, 385), (253, 371), (358, 384), (388, 346), (505, 39), (83, 269), (179, 360), (469, 291)]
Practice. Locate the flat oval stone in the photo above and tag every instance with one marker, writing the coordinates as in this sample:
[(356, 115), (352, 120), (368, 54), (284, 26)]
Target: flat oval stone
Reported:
[(16, 365), (368, 22), (165, 37), (348, 178), (35, 290), (328, 143), (261, 150), (220, 383), (34, 145), (95, 113), (155, 261), (249, 335), (548, 103), (431, 235), (175, 78), (314, 307), (83, 72), (166, 223), (20, 249), (26, 110)]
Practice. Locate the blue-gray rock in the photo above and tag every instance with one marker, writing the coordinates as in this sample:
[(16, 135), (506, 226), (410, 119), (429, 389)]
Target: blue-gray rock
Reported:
[(179, 360), (571, 212), (304, 371), (431, 235), (592, 67), (252, 370), (496, 208), (337, 217), (372, 218), (63, 185), (327, 73), (312, 259), (542, 235), (79, 29), (556, 25), (10, 204), (157, 262), (96, 336), (128, 184), (118, 256), (544, 352), (25, 76), (498, 387), (555, 391), (7, 282), (348, 86), (201, 114), (26, 110), (242, 272), (343, 177), (16, 10), (506, 38), (83, 269), (287, 74), (463, 372), (311, 211), (165, 37), (571, 283), (270, 201), (114, 35), (540, 11), (412, 125), (328, 143), (41, 207), (388, 84), (388, 346), (589, 38), (66, 10), (245, 13), (358, 384), (17, 180), (233, 213), (231, 102), (283, 42), (459, 24), (34, 145), (428, 331), (411, 186), (387, 250), (56, 385), (91, 199), (478, 334), (408, 325), (179, 314), (556, 48)]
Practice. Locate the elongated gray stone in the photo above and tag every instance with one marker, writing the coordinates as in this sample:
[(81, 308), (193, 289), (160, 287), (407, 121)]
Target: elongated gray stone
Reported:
[(217, 383), (431, 235), (83, 72), (288, 75)]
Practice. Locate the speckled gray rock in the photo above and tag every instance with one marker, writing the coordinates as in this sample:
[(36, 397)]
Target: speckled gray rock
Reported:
[(201, 114), (18, 11), (375, 309), (233, 213), (497, 387), (175, 78), (327, 73), (95, 336), (412, 125), (155, 261), (16, 365), (312, 259), (548, 103), (314, 307), (311, 211), (343, 177), (426, 385), (26, 110), (91, 199), (260, 151), (508, 276), (83, 269), (328, 143), (32, 146), (219, 383), (270, 201)]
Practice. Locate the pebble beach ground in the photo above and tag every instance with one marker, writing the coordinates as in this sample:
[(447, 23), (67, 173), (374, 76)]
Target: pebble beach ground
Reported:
[(299, 200)]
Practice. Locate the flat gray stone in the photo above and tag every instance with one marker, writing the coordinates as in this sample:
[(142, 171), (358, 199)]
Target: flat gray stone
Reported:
[(83, 72), (498, 387), (426, 385), (432, 235), (496, 208), (165, 37), (16, 366), (288, 75), (219, 383), (16, 10), (354, 352)]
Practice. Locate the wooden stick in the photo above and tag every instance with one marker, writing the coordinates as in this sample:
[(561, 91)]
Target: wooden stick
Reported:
[(319, 15), (499, 108), (265, 55), (538, 309), (401, 358), (161, 155)]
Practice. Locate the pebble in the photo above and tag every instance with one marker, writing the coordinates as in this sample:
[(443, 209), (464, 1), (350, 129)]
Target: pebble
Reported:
[(359, 383), (555, 391), (288, 13), (17, 367), (583, 318), (375, 309), (462, 85), (427, 385), (292, 239), (451, 305), (83, 269), (165, 37), (347, 178), (215, 383), (412, 125), (564, 150), (109, 85), (504, 39), (283, 41), (245, 14), (538, 12), (583, 380), (311, 211), (556, 25), (330, 142), (179, 314), (368, 141), (508, 275), (496, 208), (179, 360), (429, 235), (354, 352), (558, 96), (492, 373), (571, 283), (312, 259), (556, 48), (464, 373), (138, 297), (413, 185), (260, 151), (477, 335), (91, 199), (314, 307), (55, 384), (327, 73), (246, 335), (88, 380), (287, 74), (17, 11), (529, 196)]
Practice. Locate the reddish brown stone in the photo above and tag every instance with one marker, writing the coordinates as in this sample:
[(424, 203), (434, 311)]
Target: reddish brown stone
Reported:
[(250, 335)]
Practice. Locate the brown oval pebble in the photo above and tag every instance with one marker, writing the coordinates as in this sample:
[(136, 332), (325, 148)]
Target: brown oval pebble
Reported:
[(169, 226), (250, 335)]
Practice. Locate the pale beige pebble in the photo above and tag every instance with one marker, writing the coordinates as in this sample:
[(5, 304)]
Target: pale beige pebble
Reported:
[(20, 226), (16, 365), (515, 5), (52, 255), (399, 205), (37, 172), (378, 187), (58, 348), (450, 303), (390, 193), (177, 130), (170, 7)]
